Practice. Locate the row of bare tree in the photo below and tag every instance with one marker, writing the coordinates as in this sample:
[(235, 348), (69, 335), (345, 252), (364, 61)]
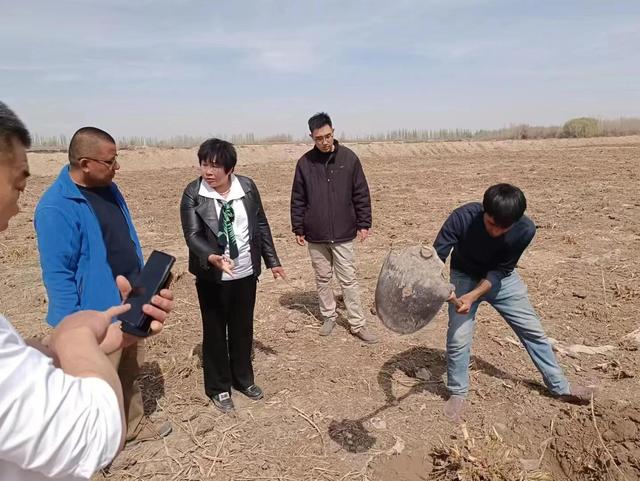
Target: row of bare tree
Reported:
[(579, 127)]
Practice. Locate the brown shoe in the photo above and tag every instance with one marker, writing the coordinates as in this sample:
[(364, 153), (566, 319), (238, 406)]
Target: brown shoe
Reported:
[(366, 336), (150, 432), (454, 407), (579, 394)]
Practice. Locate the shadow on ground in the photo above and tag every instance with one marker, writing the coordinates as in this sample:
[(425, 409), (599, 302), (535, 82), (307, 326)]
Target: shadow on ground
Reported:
[(351, 433), (306, 302), (151, 383)]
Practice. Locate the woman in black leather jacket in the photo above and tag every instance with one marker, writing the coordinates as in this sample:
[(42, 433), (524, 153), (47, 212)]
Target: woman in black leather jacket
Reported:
[(227, 234)]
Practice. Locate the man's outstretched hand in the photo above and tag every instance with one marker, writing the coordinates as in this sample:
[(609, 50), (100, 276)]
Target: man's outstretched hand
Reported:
[(89, 324)]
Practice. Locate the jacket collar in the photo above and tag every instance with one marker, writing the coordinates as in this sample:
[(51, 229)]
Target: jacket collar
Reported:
[(319, 155), (206, 208), (68, 187), (235, 191), (70, 190), (245, 182)]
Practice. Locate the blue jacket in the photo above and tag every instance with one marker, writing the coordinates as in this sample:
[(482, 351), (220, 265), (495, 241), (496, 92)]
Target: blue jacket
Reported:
[(73, 255)]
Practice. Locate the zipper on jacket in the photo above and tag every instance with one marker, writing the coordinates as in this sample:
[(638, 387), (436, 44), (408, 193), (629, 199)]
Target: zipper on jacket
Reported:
[(329, 188)]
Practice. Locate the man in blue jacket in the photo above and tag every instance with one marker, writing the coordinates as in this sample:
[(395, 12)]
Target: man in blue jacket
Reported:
[(86, 239), (61, 419)]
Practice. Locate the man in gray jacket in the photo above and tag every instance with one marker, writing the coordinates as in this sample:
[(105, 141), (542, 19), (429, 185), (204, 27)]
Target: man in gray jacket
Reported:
[(330, 207)]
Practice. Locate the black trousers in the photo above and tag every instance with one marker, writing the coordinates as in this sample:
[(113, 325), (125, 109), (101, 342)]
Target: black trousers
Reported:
[(227, 333)]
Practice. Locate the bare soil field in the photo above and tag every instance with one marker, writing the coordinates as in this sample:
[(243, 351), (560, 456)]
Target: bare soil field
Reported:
[(338, 410)]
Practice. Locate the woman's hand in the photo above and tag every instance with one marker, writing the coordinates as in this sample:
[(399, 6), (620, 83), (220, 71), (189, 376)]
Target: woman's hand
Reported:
[(278, 272), (222, 263)]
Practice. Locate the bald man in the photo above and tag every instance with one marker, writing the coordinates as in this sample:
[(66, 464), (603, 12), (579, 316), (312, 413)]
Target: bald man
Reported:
[(86, 239), (59, 419)]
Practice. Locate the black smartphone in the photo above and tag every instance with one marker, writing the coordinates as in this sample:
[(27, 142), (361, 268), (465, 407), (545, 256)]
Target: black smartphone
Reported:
[(152, 279)]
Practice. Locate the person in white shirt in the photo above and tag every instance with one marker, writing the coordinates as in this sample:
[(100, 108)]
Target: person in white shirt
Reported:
[(228, 235), (61, 407)]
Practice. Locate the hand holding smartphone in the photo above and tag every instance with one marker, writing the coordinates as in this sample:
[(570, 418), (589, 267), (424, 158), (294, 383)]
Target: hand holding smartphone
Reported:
[(150, 281)]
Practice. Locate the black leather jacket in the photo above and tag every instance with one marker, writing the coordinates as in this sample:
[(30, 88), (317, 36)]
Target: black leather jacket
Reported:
[(200, 225)]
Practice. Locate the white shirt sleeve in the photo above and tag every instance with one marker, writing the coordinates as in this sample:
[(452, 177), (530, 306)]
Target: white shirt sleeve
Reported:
[(50, 422)]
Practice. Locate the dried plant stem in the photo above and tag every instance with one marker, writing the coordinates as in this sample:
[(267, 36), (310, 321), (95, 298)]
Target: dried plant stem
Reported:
[(606, 450), (310, 421)]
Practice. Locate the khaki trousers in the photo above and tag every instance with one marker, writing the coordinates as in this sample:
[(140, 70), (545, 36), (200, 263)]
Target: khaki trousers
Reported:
[(325, 259), (128, 362)]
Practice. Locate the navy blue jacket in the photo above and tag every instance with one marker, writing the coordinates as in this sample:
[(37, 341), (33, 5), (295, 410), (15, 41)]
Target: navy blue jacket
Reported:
[(475, 252), (330, 198)]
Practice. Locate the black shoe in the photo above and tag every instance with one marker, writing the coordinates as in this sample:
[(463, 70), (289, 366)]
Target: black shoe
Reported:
[(223, 402), (252, 392)]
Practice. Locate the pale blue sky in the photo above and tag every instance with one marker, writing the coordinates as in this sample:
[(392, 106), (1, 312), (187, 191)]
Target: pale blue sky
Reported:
[(165, 67)]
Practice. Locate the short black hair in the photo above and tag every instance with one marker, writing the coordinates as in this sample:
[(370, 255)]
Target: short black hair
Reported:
[(220, 152), (319, 120), (84, 141), (505, 203), (12, 127)]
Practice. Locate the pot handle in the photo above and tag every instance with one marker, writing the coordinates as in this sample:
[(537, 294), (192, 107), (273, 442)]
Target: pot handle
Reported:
[(454, 300)]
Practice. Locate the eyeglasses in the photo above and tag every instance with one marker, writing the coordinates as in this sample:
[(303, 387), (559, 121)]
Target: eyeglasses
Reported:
[(211, 166), (320, 138), (108, 163)]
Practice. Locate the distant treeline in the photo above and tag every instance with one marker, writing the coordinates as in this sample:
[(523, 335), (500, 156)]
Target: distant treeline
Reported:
[(61, 142), (574, 128)]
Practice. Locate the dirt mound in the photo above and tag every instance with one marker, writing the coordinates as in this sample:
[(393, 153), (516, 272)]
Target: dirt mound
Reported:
[(490, 459), (598, 443), (601, 443), (487, 458), (414, 465)]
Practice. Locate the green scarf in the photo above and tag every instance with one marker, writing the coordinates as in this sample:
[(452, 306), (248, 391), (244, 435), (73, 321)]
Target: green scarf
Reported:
[(226, 234)]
